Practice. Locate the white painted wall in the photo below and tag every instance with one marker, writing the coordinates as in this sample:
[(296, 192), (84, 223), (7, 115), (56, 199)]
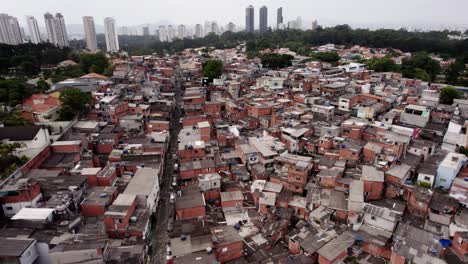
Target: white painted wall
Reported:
[(15, 207), (43, 252), (422, 176), (32, 147), (29, 255)]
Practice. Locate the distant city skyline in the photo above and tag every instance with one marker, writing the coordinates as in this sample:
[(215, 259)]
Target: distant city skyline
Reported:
[(413, 14), (256, 18)]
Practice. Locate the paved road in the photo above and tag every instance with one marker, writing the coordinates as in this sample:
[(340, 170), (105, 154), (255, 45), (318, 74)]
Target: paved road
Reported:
[(165, 208)]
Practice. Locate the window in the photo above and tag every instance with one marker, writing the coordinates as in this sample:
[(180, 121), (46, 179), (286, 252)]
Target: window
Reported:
[(373, 218), (28, 254), (442, 180), (9, 208), (427, 178)]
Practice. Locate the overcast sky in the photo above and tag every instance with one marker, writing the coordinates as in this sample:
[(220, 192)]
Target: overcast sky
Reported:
[(136, 12)]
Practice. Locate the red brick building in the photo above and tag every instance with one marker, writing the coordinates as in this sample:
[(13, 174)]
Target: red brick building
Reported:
[(460, 245), (228, 243), (373, 183), (191, 204), (117, 216)]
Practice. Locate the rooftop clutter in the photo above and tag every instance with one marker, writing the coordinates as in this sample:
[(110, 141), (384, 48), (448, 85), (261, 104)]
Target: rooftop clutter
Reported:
[(309, 164)]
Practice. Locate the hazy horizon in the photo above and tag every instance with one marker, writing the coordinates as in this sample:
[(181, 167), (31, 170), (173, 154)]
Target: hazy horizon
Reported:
[(435, 14)]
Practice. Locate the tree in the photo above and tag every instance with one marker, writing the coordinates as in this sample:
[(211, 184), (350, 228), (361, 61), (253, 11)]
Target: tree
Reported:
[(421, 74), (66, 113), (9, 162), (447, 94), (42, 85), (14, 91), (423, 62), (95, 68), (331, 57), (463, 150), (58, 78), (454, 72), (96, 62), (29, 68), (75, 99), (385, 64), (30, 57), (8, 149), (72, 71), (276, 61), (252, 54), (109, 71), (13, 119), (407, 41), (212, 69)]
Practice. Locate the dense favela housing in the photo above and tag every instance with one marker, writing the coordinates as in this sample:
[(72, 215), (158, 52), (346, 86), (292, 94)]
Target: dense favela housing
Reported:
[(309, 162)]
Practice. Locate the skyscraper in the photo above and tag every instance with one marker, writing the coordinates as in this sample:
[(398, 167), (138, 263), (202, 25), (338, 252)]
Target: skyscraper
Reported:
[(171, 32), (214, 27), (90, 33), (299, 22), (207, 28), (156, 33), (181, 32), (34, 33), (61, 30), (249, 19), (110, 31), (279, 18), (314, 25), (198, 31), (56, 30), (263, 19), (162, 33), (231, 27), (50, 28), (146, 31), (10, 31), (124, 31)]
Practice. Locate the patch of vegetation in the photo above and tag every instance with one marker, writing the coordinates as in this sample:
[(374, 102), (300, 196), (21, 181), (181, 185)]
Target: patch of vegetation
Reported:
[(212, 69), (276, 61), (448, 94), (74, 102), (9, 163)]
